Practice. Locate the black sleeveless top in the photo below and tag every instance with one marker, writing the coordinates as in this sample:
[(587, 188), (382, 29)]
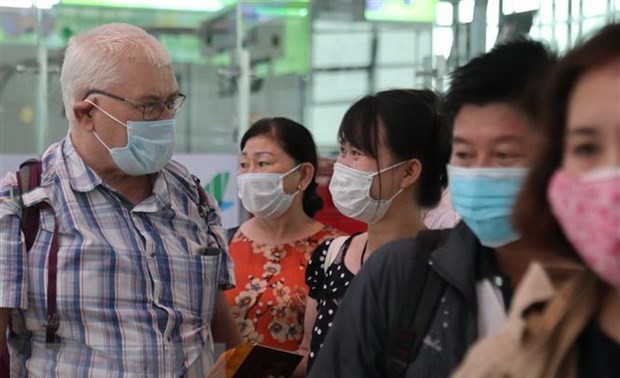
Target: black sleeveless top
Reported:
[(327, 289)]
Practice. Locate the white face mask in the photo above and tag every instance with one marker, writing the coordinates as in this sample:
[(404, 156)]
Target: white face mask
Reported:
[(350, 190), (149, 148), (262, 194)]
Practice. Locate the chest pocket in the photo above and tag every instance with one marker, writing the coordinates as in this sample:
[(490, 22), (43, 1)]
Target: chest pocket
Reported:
[(192, 281), (211, 261)]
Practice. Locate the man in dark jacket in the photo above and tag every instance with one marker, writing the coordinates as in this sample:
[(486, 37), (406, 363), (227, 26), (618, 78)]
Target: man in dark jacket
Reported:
[(491, 103)]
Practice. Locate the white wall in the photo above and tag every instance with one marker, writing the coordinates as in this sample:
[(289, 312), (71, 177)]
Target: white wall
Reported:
[(203, 166)]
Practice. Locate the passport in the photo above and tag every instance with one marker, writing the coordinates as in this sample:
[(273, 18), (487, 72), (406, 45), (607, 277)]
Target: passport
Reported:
[(256, 361)]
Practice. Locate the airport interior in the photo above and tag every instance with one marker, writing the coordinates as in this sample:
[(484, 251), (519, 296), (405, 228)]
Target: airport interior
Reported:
[(238, 61)]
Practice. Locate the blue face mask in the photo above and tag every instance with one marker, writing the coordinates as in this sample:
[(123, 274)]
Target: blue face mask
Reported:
[(150, 145), (484, 198)]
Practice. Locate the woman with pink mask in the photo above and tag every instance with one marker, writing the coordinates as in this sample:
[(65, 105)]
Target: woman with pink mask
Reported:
[(565, 318)]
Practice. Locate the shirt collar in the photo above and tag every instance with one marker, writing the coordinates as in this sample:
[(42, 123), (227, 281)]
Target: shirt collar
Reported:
[(488, 268), (84, 179), (81, 177), (555, 287)]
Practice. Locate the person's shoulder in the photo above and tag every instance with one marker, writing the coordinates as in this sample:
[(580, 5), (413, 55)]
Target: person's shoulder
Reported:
[(390, 263), (396, 251), (177, 171), (48, 168), (180, 180), (7, 182), (397, 257), (328, 232), (323, 245), (52, 158)]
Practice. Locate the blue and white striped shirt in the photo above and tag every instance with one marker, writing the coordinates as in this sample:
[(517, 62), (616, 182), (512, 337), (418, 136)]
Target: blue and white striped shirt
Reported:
[(136, 283)]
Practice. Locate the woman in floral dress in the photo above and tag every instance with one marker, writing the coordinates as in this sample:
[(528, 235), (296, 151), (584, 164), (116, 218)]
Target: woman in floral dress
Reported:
[(276, 181)]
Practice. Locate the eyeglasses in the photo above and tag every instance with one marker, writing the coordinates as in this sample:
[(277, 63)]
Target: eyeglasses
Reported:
[(152, 110)]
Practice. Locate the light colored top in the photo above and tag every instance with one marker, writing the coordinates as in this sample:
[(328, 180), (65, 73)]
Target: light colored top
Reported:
[(442, 215), (491, 308), (135, 284)]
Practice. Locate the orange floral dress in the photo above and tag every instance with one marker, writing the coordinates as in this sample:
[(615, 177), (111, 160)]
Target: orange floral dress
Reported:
[(269, 301)]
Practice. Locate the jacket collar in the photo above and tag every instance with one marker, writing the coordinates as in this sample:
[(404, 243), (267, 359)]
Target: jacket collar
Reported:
[(543, 281), (455, 261)]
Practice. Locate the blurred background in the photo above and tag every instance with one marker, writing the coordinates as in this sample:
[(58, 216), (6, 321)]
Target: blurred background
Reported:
[(238, 61)]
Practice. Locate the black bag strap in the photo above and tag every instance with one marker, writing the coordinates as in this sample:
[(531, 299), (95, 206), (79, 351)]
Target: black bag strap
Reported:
[(426, 289), (230, 233), (28, 178)]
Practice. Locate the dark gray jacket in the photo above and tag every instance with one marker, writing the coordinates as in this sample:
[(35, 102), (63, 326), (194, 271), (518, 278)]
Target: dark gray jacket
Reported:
[(367, 319)]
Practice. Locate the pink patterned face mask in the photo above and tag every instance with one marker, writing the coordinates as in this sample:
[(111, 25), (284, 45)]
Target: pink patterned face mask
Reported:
[(588, 210)]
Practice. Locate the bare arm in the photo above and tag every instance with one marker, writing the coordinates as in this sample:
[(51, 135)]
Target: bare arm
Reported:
[(4, 321), (304, 347), (223, 325)]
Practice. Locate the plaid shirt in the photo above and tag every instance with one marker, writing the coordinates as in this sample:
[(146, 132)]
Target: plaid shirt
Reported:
[(136, 283)]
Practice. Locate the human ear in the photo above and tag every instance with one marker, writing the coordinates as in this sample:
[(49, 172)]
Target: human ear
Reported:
[(82, 113), (307, 172), (411, 173)]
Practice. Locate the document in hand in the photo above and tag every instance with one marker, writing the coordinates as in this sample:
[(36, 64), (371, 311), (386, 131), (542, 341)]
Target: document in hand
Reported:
[(256, 361)]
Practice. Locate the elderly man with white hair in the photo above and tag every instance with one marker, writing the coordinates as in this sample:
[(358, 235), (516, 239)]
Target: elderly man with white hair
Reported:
[(141, 256)]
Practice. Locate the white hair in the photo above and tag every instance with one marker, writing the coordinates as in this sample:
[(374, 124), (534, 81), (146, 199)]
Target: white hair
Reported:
[(94, 59)]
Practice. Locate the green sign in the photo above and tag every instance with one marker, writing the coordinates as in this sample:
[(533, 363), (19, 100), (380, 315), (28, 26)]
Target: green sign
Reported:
[(188, 5), (400, 10)]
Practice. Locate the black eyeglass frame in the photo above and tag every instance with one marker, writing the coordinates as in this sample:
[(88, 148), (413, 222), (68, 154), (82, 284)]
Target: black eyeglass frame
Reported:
[(153, 109)]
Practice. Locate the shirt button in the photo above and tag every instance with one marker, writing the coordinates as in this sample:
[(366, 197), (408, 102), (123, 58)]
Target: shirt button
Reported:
[(499, 281)]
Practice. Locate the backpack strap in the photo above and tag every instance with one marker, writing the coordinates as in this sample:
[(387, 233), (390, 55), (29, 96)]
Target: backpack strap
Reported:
[(28, 178), (426, 289)]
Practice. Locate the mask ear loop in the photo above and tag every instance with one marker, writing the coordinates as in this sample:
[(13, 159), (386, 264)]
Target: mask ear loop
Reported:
[(372, 176), (390, 167), (401, 189), (106, 113), (299, 186), (111, 117), (286, 174), (291, 170), (377, 174)]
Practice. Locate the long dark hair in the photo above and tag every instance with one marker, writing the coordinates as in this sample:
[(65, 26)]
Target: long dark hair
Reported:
[(298, 143), (533, 217)]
